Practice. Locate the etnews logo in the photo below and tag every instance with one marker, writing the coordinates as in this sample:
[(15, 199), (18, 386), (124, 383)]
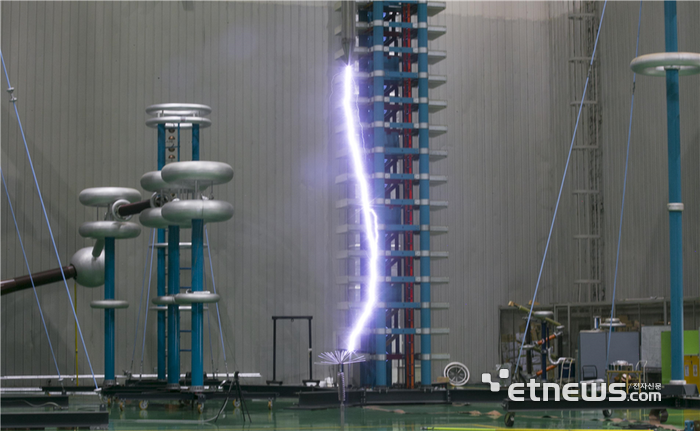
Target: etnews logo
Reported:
[(572, 391)]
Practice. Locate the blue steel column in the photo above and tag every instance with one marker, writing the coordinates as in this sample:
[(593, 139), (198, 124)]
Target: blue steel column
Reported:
[(160, 268), (197, 309), (195, 142), (674, 194), (173, 311), (378, 183), (109, 313), (424, 191)]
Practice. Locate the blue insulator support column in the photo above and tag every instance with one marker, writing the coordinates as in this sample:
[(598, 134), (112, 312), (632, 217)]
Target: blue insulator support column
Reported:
[(197, 309), (160, 268), (109, 313), (195, 142), (173, 311), (424, 191), (378, 184), (674, 194), (160, 288)]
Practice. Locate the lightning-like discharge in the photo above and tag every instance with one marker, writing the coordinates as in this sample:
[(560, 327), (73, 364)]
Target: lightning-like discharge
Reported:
[(369, 217)]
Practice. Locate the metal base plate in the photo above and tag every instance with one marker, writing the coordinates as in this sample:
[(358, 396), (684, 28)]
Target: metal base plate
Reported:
[(98, 419)]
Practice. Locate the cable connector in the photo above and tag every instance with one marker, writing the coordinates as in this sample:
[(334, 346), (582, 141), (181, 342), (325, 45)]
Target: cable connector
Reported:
[(11, 90)]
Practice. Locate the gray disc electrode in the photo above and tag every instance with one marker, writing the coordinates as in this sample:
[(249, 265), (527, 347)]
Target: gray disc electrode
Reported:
[(203, 297), (153, 218), (211, 211), (687, 63), (104, 196), (109, 229), (109, 303), (205, 173)]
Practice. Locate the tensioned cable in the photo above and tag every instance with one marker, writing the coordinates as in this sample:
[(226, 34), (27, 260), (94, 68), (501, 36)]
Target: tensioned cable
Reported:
[(624, 187), (29, 271), (138, 316), (148, 296), (561, 187), (218, 314), (46, 217)]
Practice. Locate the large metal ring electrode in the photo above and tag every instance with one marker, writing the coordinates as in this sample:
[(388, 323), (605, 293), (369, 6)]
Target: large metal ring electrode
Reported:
[(203, 297), (687, 63), (205, 173), (153, 182), (109, 229), (211, 211), (153, 218), (115, 210), (164, 300), (109, 303), (457, 373), (193, 109), (105, 196)]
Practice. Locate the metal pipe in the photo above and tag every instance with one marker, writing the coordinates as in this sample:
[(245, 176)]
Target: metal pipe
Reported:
[(98, 247), (311, 364), (161, 146), (348, 29), (160, 289), (160, 270), (173, 310), (195, 142), (379, 340), (121, 376), (274, 349), (424, 190), (39, 278), (543, 354), (674, 194), (109, 313), (135, 208), (197, 312)]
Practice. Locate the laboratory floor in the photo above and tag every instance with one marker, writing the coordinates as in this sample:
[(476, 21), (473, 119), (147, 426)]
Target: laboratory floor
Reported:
[(284, 416)]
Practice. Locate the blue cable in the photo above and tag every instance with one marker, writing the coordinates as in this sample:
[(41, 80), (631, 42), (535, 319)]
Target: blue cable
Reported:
[(48, 225), (26, 261), (624, 188), (148, 295), (138, 315), (213, 283), (561, 187)]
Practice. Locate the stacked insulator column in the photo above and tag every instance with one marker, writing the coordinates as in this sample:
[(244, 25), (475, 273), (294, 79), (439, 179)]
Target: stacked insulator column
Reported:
[(392, 59), (184, 192), (105, 233), (671, 65)]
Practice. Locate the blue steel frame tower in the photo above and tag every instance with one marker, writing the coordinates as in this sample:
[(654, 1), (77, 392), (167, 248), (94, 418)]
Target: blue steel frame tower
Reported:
[(168, 150), (393, 57)]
